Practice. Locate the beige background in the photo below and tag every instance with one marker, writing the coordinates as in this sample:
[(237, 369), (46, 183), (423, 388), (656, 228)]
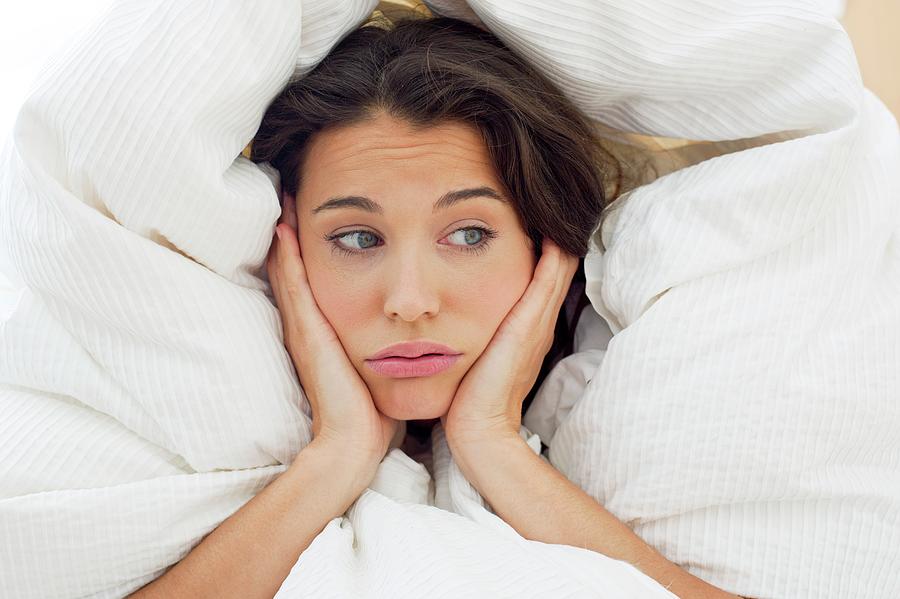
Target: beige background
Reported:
[(874, 27)]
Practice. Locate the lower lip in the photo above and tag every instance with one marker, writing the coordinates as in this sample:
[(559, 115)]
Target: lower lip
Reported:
[(410, 367)]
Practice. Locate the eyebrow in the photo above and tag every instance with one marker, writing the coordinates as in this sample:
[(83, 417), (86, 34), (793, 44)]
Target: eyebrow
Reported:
[(445, 201)]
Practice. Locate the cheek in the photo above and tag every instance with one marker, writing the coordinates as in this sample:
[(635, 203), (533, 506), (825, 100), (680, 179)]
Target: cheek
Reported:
[(338, 302), (489, 296), (340, 298)]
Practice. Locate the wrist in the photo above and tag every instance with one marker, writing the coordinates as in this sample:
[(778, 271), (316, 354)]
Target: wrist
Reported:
[(468, 440), (356, 450), (462, 434), (348, 467), (474, 449)]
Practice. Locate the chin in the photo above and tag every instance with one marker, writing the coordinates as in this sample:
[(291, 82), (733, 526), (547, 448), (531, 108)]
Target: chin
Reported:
[(408, 405)]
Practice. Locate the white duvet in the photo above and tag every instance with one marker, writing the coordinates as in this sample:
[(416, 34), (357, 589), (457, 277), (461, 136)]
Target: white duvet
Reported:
[(744, 418)]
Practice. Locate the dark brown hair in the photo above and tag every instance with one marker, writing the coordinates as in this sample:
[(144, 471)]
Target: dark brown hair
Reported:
[(430, 70)]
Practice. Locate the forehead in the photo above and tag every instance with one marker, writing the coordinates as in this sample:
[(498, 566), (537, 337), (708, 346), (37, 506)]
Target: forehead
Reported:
[(386, 156)]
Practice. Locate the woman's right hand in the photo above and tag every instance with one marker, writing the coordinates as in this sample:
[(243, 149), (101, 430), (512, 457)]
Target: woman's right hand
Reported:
[(344, 415)]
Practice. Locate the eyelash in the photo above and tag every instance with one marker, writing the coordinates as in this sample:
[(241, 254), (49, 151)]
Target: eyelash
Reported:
[(487, 236)]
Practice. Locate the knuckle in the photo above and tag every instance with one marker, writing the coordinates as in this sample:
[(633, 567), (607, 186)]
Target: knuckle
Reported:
[(292, 288)]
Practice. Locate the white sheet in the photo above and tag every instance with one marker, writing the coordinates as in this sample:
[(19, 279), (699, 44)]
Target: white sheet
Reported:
[(742, 420), (146, 392)]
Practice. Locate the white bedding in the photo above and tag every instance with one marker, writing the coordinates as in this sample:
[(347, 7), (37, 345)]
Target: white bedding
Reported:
[(743, 419)]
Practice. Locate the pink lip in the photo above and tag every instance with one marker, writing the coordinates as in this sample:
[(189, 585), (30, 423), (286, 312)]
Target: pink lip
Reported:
[(410, 367), (409, 359), (413, 349)]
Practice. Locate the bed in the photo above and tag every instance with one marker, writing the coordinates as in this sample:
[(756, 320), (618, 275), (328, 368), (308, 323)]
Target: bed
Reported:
[(739, 413)]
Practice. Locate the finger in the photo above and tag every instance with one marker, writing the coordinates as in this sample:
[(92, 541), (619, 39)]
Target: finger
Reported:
[(288, 260), (274, 270), (272, 260), (566, 266), (530, 311), (273, 247), (281, 201), (538, 308), (557, 269), (289, 210), (298, 309), (547, 271)]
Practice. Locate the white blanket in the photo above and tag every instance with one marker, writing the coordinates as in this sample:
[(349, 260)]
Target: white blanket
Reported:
[(743, 419)]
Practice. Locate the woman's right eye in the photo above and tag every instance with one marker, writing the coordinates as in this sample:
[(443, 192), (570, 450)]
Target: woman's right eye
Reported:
[(356, 241)]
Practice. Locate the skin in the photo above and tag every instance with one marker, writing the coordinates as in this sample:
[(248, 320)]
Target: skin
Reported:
[(415, 278)]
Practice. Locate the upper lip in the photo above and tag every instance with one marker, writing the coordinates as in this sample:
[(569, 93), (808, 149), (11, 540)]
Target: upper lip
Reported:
[(413, 349)]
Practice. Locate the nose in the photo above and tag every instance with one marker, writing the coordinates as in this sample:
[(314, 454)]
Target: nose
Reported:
[(411, 289)]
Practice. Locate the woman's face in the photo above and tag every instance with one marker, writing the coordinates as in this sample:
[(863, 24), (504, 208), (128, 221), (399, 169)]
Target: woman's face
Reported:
[(398, 265)]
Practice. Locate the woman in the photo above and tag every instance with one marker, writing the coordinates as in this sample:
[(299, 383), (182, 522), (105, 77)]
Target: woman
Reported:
[(424, 181), (437, 194)]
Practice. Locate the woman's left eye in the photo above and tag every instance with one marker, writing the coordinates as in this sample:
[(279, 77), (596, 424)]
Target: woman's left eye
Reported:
[(473, 239), (471, 236)]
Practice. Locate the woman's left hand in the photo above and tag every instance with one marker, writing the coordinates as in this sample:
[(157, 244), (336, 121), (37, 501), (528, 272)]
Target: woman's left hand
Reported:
[(488, 401)]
